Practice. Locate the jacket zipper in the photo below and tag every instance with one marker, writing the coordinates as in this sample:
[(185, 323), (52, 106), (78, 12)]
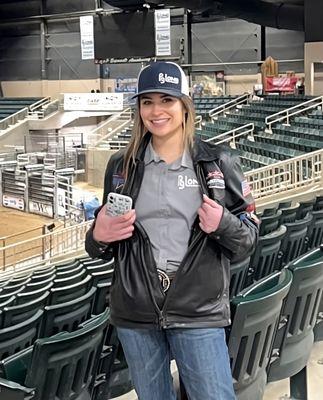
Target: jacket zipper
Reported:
[(163, 321)]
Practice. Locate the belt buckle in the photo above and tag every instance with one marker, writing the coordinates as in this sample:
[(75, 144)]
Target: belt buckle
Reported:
[(164, 280)]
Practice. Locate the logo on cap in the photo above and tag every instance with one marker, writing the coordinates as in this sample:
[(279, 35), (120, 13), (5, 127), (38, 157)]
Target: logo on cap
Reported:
[(167, 78)]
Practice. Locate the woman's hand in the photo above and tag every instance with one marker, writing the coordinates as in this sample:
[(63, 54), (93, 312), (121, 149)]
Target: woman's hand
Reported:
[(210, 214), (109, 228)]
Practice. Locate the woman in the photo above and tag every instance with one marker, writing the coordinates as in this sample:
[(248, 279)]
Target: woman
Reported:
[(191, 217)]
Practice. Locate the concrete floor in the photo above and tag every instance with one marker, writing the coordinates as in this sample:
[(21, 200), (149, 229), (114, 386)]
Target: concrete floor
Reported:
[(278, 390)]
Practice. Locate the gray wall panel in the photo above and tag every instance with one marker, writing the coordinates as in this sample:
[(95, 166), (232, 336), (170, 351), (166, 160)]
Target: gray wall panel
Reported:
[(227, 41)]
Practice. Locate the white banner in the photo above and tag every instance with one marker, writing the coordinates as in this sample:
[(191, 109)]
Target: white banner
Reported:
[(93, 101), (13, 202), (162, 32), (38, 207), (87, 37)]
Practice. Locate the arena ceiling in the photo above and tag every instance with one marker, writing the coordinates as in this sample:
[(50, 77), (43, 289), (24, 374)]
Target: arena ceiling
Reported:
[(281, 14), (286, 14)]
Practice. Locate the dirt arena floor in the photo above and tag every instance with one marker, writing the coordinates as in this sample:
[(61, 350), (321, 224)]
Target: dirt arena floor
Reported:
[(15, 223)]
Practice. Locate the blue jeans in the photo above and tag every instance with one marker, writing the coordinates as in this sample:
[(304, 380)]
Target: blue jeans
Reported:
[(201, 356)]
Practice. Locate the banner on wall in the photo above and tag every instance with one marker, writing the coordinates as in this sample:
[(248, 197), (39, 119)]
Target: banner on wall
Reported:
[(87, 37), (281, 84), (162, 32), (93, 101), (126, 85)]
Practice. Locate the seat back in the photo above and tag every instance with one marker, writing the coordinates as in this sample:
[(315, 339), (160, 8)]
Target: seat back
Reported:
[(17, 337), (238, 273), (71, 292), (67, 316), (269, 223), (61, 281), (294, 339), (304, 208), (16, 314), (102, 276), (266, 257), (315, 231), (28, 296), (39, 284), (68, 272), (101, 297), (255, 313), (295, 239), (288, 214), (64, 366)]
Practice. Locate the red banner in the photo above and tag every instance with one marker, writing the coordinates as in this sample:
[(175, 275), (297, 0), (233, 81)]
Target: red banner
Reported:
[(281, 84)]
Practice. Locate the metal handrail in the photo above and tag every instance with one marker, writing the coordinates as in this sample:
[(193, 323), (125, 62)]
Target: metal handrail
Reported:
[(237, 132), (289, 112), (127, 112), (304, 172), (227, 106), (198, 121), (13, 118), (44, 247), (39, 103), (41, 109)]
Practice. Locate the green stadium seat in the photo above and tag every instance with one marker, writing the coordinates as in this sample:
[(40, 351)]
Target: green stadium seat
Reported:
[(63, 366), (255, 315), (289, 214), (238, 274), (25, 297), (267, 255), (294, 339), (295, 240), (69, 315), (13, 315), (269, 223), (67, 293), (17, 337)]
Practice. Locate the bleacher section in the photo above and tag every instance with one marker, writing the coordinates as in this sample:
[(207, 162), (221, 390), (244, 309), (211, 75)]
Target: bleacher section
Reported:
[(11, 105), (63, 297), (203, 105), (304, 134)]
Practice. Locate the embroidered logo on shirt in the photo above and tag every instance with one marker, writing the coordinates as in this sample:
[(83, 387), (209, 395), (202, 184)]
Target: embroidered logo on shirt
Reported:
[(215, 180), (184, 182)]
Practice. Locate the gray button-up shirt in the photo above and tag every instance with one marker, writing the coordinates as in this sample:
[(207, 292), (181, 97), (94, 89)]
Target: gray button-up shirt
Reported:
[(167, 206)]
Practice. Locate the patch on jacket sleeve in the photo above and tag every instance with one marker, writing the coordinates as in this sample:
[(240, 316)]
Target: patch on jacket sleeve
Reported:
[(215, 180), (245, 188)]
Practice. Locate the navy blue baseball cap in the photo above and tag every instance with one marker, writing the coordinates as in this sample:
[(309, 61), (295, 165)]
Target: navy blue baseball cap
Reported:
[(162, 77)]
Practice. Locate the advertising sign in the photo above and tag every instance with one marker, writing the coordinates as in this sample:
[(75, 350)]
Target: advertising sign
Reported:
[(162, 32), (38, 207), (87, 37), (93, 101), (13, 202), (281, 84)]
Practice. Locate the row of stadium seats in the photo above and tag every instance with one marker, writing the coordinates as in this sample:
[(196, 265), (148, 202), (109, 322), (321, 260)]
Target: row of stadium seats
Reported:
[(273, 325), (11, 105)]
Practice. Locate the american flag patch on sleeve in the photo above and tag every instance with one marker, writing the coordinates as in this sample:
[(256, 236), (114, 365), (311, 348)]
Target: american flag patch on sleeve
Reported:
[(245, 188)]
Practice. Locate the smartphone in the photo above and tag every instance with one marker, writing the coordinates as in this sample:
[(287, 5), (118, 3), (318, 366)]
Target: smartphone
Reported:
[(118, 204)]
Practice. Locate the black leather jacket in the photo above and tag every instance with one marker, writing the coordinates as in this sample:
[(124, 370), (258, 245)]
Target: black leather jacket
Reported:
[(199, 293)]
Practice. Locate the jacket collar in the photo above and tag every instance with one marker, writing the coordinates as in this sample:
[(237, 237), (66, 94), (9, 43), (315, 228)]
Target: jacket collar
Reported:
[(203, 151)]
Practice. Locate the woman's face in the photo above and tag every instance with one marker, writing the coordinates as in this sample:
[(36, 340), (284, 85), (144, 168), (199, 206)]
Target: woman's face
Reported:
[(162, 114)]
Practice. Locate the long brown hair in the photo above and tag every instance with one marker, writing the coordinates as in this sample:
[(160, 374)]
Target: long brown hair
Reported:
[(139, 131)]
